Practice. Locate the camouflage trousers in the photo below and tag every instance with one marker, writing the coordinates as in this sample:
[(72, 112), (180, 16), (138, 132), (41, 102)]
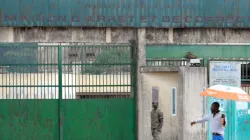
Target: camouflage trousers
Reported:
[(156, 134)]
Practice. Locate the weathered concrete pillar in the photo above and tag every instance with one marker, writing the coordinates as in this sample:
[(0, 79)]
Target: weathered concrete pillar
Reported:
[(6, 34), (190, 103), (144, 98)]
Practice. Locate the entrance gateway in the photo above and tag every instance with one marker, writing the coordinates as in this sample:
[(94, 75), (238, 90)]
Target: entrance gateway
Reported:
[(234, 73), (67, 92)]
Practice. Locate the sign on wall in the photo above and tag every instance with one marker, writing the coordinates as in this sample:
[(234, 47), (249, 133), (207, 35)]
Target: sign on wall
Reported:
[(125, 13), (225, 73), (155, 94)]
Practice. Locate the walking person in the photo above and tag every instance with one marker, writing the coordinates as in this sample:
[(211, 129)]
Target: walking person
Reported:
[(217, 119), (156, 121)]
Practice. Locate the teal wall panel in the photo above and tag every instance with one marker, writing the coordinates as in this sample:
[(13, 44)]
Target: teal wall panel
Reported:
[(202, 51), (238, 121), (126, 13)]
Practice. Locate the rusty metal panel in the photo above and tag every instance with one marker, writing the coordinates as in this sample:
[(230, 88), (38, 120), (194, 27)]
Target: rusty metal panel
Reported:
[(29, 119), (98, 119), (126, 13)]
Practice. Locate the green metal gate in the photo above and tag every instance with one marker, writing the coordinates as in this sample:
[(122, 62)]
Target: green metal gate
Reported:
[(67, 92)]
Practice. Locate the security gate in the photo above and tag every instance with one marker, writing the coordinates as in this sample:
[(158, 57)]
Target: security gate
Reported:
[(67, 92), (238, 113)]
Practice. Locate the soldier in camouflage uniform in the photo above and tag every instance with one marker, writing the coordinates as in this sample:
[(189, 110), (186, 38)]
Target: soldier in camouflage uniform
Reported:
[(156, 121)]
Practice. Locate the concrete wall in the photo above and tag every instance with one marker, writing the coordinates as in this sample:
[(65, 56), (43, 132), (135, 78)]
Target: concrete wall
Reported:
[(143, 97), (123, 35), (164, 81), (190, 82), (211, 35), (190, 103)]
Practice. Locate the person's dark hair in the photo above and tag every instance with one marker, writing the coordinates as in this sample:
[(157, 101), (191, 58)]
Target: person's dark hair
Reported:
[(216, 104)]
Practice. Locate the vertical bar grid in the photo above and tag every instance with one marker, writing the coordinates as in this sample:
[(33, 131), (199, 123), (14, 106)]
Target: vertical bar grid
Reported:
[(98, 71), (60, 110), (166, 62), (26, 70)]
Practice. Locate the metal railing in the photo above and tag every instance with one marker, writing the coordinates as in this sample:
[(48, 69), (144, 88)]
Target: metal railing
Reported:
[(168, 62), (246, 88), (245, 70), (32, 71)]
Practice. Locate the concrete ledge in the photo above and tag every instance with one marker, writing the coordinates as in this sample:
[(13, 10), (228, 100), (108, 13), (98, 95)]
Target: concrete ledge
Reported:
[(149, 69)]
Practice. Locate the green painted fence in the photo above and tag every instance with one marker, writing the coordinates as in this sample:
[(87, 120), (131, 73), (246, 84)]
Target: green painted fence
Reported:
[(60, 92)]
